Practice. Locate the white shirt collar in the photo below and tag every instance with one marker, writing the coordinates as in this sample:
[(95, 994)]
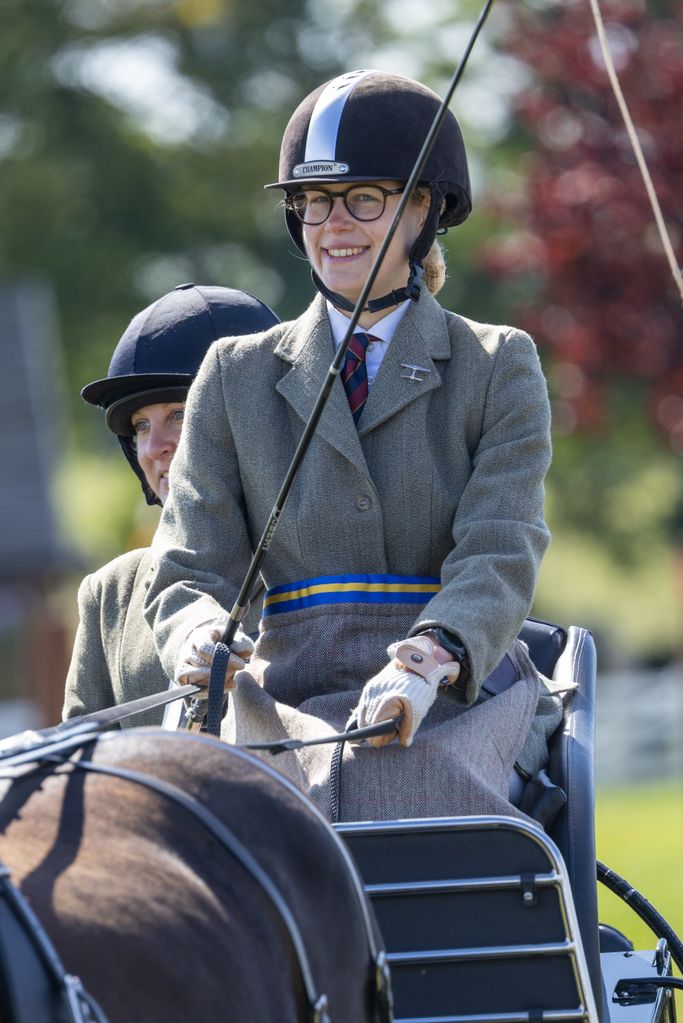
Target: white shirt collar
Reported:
[(383, 329)]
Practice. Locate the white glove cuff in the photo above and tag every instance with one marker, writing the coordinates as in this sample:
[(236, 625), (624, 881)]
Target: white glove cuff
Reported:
[(416, 654), (419, 691)]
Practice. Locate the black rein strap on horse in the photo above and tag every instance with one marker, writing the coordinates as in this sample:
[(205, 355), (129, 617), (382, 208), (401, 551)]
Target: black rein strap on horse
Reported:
[(24, 747), (93, 723), (38, 986)]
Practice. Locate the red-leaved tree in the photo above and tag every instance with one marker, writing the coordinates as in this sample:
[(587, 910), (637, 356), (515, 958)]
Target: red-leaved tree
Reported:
[(581, 236)]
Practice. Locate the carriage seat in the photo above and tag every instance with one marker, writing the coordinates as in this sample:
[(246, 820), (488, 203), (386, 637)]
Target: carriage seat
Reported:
[(545, 641), (570, 654)]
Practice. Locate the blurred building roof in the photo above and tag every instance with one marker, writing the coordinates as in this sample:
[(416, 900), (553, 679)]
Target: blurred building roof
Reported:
[(31, 432)]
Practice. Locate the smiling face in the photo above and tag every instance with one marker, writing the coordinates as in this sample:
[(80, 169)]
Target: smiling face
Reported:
[(157, 434), (342, 250)]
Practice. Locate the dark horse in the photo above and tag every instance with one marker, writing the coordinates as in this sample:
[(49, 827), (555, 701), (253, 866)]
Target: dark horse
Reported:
[(218, 894)]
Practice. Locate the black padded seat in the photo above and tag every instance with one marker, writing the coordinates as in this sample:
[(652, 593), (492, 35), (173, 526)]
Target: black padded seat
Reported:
[(570, 654), (545, 641), (572, 759)]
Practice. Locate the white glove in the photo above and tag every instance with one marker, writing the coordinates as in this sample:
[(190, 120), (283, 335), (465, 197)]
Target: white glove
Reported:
[(405, 688), (196, 654)]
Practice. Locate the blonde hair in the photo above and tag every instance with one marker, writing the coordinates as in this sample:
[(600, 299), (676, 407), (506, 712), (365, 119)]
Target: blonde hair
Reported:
[(435, 268), (434, 263)]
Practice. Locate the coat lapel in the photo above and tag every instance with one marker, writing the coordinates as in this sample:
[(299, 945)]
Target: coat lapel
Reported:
[(307, 346), (396, 385)]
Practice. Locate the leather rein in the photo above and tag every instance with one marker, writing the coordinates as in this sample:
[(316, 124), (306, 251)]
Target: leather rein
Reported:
[(25, 745)]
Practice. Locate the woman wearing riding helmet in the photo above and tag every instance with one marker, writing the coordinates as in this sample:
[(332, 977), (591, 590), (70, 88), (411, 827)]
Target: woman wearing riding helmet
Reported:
[(405, 561), (114, 659)]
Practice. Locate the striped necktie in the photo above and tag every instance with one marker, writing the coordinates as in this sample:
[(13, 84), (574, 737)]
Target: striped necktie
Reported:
[(354, 374)]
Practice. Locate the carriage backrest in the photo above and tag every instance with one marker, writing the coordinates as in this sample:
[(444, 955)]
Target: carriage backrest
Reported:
[(478, 919), (572, 765), (545, 641), (569, 654)]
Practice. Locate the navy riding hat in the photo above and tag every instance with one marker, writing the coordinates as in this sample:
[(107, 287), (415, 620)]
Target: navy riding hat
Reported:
[(370, 126), (161, 351)]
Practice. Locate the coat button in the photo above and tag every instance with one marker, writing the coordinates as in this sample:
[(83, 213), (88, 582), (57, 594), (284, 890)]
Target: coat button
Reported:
[(363, 502)]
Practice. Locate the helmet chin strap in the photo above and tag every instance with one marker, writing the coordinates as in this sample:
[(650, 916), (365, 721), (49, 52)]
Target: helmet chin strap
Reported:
[(375, 305)]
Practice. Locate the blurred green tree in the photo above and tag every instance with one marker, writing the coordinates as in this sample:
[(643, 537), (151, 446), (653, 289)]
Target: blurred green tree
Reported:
[(133, 142)]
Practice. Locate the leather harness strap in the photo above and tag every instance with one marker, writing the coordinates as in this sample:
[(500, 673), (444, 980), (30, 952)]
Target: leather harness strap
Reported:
[(31, 746), (89, 725), (318, 1004), (37, 987)]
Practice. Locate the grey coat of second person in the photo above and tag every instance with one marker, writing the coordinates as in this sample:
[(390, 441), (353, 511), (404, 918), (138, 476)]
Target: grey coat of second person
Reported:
[(114, 659)]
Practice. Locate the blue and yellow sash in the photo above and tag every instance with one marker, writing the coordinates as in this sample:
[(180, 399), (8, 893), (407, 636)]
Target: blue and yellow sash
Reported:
[(350, 589)]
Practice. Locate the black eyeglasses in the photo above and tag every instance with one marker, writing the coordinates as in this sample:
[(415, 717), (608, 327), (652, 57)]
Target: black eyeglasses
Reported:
[(364, 202)]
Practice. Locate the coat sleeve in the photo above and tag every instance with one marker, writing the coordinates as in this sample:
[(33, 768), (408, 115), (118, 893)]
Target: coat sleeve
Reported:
[(88, 682), (499, 533), (201, 547)]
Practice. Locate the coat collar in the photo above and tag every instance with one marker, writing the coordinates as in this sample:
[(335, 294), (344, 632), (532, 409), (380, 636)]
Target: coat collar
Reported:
[(420, 338), (307, 345)]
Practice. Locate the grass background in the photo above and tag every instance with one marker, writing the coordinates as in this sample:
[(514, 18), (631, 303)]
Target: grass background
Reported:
[(639, 834)]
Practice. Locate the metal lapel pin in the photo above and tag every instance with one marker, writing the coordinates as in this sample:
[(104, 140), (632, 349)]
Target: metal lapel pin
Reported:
[(414, 370)]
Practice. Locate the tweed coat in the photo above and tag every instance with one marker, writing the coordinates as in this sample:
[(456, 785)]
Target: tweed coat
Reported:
[(114, 659), (441, 485), (443, 478)]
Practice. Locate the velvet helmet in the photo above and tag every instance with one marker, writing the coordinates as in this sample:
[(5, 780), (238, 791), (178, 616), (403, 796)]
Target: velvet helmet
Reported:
[(370, 126), (161, 350)]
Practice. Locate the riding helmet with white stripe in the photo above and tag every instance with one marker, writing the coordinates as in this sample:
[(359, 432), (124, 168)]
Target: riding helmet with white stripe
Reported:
[(370, 126), (161, 351)]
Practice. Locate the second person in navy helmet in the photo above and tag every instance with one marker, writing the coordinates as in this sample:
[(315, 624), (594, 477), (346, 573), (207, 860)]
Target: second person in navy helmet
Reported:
[(405, 561), (143, 397)]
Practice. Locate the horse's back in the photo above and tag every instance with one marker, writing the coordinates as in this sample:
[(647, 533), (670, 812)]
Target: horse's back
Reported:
[(146, 902)]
